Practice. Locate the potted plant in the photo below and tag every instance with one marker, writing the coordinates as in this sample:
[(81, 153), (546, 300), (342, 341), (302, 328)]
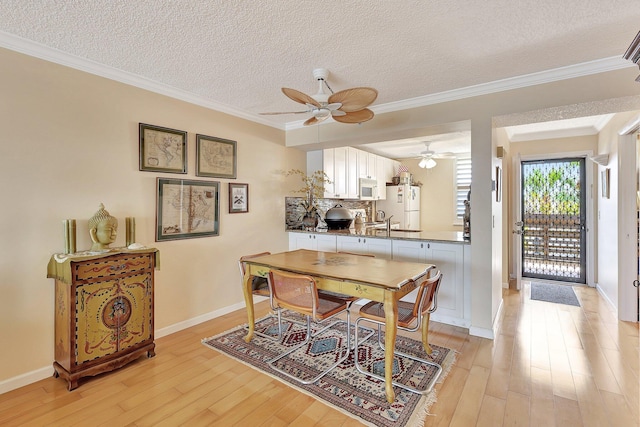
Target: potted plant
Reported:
[(312, 190)]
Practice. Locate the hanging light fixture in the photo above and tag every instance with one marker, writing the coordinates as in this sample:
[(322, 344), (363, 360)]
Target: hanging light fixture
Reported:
[(427, 163)]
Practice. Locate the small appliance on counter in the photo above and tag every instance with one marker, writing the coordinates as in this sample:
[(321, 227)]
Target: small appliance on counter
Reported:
[(338, 217), (380, 215)]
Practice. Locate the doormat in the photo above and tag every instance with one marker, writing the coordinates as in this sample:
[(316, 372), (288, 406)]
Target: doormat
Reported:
[(344, 388), (559, 294)]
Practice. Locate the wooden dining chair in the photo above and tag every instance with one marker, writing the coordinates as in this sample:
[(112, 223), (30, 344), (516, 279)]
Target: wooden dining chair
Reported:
[(260, 287), (299, 293), (411, 317)]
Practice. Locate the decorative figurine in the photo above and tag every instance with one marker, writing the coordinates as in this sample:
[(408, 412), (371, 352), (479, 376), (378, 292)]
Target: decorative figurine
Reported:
[(103, 229)]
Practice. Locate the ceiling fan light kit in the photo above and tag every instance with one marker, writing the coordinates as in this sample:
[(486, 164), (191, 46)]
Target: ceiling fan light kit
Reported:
[(427, 163), (345, 106)]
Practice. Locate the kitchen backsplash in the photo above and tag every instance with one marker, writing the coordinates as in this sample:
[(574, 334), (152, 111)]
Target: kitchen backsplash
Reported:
[(294, 212)]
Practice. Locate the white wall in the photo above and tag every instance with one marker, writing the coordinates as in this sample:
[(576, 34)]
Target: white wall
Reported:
[(607, 217), (69, 141), (437, 200)]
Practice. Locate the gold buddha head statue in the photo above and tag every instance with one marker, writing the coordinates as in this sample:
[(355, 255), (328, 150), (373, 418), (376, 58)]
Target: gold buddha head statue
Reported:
[(103, 229)]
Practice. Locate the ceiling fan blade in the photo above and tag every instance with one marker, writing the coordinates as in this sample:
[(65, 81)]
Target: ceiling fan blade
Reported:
[(354, 99), (284, 112), (355, 116), (300, 97), (311, 121)]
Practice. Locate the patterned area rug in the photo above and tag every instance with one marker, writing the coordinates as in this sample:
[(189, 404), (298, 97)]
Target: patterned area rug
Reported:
[(344, 388), (559, 294)]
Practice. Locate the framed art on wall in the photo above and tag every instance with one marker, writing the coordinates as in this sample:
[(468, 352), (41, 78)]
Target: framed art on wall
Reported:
[(238, 198), (187, 209), (162, 149), (215, 157)]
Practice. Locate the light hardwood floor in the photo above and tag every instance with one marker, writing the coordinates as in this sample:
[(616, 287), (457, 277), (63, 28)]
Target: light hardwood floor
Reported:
[(551, 365)]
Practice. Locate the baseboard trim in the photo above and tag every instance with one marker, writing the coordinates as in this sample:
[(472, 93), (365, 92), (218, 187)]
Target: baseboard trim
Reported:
[(47, 371), (606, 298), (488, 333)]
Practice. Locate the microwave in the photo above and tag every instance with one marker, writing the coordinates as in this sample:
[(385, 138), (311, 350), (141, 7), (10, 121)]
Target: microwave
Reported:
[(368, 189)]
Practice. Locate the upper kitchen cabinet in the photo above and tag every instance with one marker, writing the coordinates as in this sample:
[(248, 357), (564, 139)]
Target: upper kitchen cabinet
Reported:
[(346, 165), (367, 163), (338, 164)]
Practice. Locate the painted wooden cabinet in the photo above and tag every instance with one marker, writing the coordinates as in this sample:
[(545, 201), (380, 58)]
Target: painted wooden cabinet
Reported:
[(364, 245), (103, 311), (448, 258), (312, 241)]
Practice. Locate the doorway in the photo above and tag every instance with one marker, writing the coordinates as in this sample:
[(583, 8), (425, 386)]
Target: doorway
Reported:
[(553, 219)]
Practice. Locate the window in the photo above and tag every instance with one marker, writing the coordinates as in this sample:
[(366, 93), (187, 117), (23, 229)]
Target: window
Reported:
[(462, 187)]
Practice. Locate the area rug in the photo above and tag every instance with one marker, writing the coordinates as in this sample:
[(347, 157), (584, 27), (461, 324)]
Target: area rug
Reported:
[(559, 294), (344, 388)]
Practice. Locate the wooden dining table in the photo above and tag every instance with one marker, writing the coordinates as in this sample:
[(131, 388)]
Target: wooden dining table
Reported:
[(375, 279)]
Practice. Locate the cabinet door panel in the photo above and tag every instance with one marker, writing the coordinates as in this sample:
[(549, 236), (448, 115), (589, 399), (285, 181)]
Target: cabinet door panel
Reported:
[(94, 338), (325, 243), (381, 248), (340, 172), (448, 258), (350, 244)]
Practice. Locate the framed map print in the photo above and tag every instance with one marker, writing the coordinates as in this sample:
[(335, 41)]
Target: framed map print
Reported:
[(215, 157), (162, 149), (187, 209), (238, 198)]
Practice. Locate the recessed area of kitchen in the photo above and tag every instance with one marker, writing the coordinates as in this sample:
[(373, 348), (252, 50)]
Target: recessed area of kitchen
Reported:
[(421, 182)]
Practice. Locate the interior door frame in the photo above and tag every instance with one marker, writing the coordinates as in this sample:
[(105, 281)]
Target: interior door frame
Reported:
[(516, 210), (627, 222)]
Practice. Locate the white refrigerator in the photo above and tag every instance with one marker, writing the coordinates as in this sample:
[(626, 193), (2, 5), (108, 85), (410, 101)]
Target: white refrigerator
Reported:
[(403, 202)]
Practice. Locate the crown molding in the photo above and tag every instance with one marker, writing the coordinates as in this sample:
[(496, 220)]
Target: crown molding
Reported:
[(31, 48)]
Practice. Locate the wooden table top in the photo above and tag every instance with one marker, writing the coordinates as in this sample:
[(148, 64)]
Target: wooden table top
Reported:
[(346, 267)]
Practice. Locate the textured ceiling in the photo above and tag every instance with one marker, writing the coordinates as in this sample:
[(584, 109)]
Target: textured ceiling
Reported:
[(236, 55)]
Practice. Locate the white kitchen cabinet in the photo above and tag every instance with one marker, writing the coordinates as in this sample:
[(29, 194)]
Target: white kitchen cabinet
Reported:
[(335, 163), (340, 175), (312, 241), (364, 245), (353, 183), (449, 259), (381, 176), (366, 165)]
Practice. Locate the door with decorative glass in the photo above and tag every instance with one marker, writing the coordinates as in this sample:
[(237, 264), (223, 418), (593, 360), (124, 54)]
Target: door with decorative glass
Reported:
[(553, 223)]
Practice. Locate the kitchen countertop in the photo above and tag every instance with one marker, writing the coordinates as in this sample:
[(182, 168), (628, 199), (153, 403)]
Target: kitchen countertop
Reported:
[(437, 236)]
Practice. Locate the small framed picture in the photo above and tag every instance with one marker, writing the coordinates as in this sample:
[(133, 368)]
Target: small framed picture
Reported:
[(162, 149), (215, 157), (238, 198), (187, 209)]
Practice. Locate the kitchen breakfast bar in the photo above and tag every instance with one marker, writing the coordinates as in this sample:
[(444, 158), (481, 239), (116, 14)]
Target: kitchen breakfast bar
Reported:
[(375, 279)]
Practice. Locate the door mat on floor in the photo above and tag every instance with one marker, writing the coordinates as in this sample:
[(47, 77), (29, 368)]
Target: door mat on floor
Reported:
[(344, 388), (559, 294)]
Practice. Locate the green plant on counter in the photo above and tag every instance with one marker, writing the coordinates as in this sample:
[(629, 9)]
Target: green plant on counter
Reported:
[(312, 189)]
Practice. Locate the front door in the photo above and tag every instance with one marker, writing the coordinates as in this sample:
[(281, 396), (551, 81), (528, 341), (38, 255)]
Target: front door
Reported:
[(553, 219)]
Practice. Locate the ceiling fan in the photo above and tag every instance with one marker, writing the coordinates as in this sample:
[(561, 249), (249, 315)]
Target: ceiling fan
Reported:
[(345, 106), (427, 157)]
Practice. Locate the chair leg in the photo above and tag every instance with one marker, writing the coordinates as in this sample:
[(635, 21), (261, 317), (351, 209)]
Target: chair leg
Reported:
[(409, 356)]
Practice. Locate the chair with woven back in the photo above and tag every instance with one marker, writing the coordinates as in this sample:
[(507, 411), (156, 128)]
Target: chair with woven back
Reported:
[(299, 293), (411, 317), (259, 286)]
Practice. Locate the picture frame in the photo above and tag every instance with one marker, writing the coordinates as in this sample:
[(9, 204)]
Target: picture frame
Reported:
[(216, 157), (498, 184), (187, 209), (162, 149), (604, 179), (238, 198)]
